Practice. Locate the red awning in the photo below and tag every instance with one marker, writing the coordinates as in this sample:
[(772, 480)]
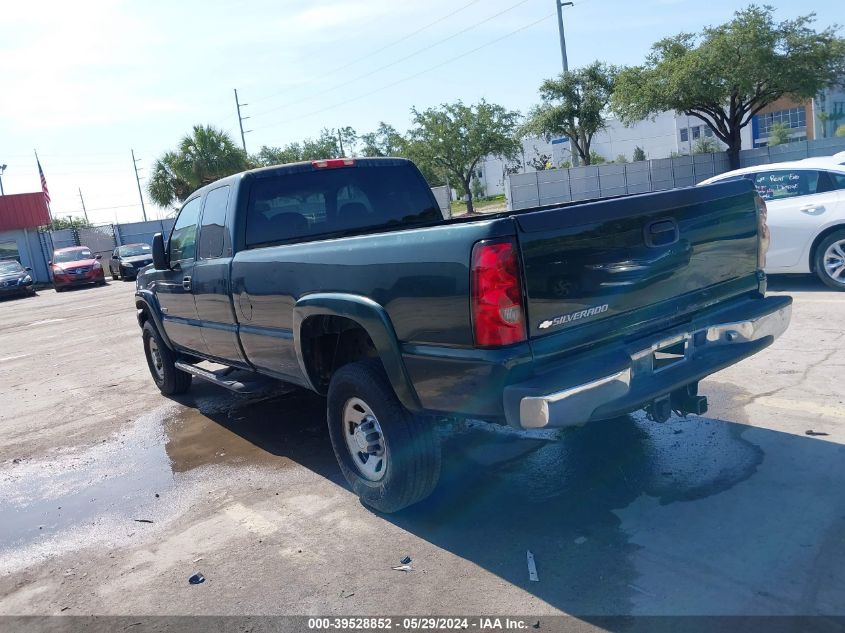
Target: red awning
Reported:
[(23, 211)]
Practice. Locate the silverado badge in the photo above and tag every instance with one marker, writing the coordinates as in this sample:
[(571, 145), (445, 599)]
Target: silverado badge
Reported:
[(573, 316)]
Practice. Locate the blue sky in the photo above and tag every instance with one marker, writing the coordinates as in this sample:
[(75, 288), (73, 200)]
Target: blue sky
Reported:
[(84, 82)]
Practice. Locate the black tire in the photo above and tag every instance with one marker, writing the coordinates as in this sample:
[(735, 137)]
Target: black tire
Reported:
[(169, 380), (114, 275), (821, 271), (412, 446)]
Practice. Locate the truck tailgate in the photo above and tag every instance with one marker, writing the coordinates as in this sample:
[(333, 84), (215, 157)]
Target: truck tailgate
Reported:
[(590, 262)]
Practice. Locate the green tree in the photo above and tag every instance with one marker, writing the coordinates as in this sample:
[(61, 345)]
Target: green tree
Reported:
[(595, 158), (728, 73), (639, 154), (840, 131), (478, 190), (454, 137), (70, 222), (706, 145), (621, 158), (779, 134), (573, 105), (385, 141), (290, 153), (829, 117), (541, 162), (327, 145), (205, 155)]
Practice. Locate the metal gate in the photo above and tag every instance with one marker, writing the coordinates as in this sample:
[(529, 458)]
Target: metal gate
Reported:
[(100, 239)]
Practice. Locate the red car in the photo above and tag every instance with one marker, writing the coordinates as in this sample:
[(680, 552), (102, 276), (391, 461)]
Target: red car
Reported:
[(76, 266)]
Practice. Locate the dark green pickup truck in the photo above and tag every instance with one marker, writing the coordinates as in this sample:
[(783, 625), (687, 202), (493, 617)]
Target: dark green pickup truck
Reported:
[(343, 277)]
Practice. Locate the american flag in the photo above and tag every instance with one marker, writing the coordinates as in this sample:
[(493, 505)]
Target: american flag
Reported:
[(43, 181)]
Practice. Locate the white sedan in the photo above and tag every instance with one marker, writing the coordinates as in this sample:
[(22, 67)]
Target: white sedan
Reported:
[(806, 215)]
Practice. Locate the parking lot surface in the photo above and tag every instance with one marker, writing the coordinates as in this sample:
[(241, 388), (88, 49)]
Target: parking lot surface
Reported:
[(111, 495)]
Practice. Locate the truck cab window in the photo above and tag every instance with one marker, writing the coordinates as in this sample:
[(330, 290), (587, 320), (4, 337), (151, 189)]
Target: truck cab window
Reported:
[(184, 236), (214, 239), (292, 206)]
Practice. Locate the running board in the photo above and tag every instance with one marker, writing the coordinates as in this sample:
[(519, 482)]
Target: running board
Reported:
[(256, 384)]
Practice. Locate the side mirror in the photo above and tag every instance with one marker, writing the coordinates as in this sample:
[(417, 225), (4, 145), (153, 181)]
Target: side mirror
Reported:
[(98, 257), (159, 256), (50, 263), (28, 269)]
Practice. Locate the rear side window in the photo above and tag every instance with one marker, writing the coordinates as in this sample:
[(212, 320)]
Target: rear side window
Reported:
[(299, 205), (214, 239), (183, 239), (786, 183), (836, 179)]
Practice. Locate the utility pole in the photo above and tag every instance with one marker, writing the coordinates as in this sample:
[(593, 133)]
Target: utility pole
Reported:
[(138, 181), (241, 119), (84, 211), (2, 169), (560, 6), (340, 138)]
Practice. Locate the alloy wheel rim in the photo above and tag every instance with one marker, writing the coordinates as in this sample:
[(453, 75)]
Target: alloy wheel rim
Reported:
[(364, 439), (155, 357), (834, 261)]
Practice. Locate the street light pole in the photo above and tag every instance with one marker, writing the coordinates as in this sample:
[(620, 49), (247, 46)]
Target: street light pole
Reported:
[(560, 6), (2, 169)]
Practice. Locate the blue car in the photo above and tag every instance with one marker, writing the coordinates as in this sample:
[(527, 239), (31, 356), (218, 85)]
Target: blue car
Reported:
[(15, 279)]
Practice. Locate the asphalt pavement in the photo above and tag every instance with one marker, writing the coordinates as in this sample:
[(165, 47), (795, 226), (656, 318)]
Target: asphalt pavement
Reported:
[(112, 496)]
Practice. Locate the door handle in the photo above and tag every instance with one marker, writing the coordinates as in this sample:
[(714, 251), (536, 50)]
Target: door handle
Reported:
[(812, 208), (186, 283)]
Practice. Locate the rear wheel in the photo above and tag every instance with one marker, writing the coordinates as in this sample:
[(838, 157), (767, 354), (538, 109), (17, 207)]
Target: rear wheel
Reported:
[(389, 456), (162, 363), (830, 260)]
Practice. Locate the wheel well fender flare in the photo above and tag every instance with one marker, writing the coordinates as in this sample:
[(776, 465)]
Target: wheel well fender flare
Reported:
[(373, 318), (146, 303)]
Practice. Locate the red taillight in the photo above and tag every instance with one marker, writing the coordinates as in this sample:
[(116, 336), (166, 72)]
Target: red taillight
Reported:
[(497, 313), (333, 163)]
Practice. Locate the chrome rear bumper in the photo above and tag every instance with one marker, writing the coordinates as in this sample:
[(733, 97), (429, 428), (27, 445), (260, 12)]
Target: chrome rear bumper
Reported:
[(695, 354)]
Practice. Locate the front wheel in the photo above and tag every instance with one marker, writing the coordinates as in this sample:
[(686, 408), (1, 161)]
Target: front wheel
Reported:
[(389, 456), (830, 260), (162, 363)]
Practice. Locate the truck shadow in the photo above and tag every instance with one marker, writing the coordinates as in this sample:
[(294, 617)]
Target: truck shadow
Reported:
[(796, 283), (695, 516)]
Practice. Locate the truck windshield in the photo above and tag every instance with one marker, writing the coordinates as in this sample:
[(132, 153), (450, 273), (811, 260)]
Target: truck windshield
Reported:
[(292, 206)]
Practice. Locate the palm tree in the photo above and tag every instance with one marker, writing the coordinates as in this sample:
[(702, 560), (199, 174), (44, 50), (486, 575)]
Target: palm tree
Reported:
[(205, 155)]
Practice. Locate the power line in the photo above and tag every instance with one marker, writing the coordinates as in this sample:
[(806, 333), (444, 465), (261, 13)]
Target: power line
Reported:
[(393, 63), (383, 48), (413, 76), (121, 206)]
